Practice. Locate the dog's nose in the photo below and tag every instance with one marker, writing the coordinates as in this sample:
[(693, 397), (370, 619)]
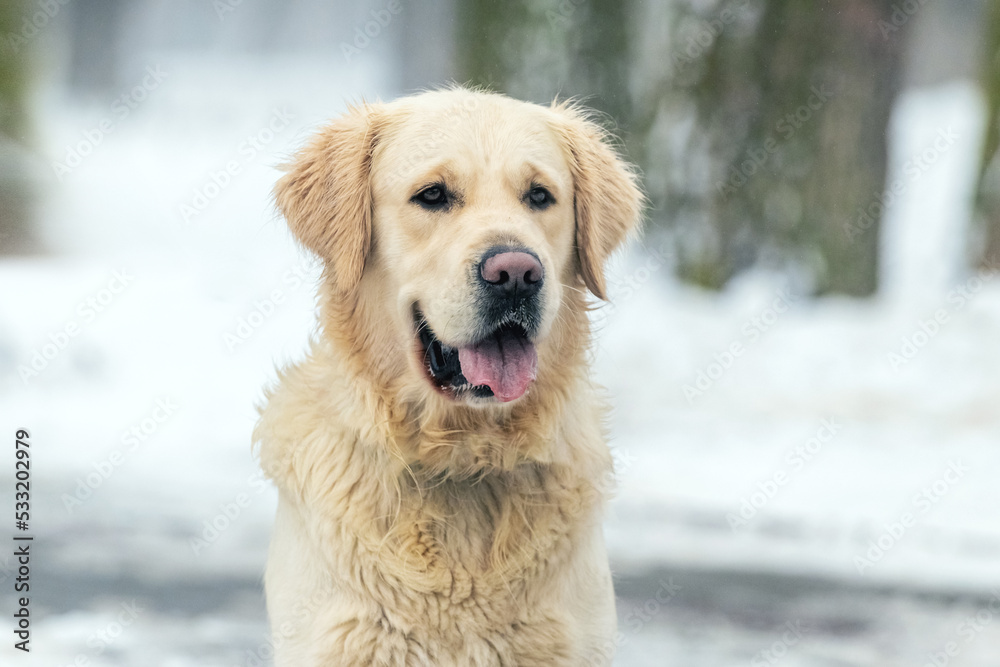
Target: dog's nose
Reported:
[(512, 272)]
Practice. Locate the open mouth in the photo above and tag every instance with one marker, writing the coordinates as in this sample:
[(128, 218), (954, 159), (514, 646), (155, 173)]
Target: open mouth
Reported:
[(502, 364)]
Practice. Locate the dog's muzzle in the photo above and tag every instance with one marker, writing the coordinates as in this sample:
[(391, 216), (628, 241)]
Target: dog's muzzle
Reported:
[(501, 361)]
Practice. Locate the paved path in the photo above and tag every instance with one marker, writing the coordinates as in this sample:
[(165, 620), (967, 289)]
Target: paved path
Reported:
[(667, 617)]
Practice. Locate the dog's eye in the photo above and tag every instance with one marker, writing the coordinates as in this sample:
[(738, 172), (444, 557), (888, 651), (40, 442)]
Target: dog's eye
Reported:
[(538, 197), (434, 196)]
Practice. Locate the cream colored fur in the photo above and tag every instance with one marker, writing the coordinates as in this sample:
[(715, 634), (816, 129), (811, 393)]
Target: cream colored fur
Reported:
[(413, 529)]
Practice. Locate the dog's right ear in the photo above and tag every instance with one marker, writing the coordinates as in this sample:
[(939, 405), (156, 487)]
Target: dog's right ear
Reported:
[(325, 194)]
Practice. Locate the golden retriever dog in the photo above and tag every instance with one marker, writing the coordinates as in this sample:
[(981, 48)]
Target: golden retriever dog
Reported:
[(439, 454)]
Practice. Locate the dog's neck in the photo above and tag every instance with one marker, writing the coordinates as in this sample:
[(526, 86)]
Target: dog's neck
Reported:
[(431, 431)]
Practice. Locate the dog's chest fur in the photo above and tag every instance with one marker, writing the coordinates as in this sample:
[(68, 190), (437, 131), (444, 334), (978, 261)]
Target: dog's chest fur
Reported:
[(427, 568), (465, 572)]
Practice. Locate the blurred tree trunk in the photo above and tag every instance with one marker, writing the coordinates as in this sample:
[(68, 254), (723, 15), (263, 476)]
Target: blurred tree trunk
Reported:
[(15, 197), (485, 32), (538, 50), (599, 61), (789, 104), (988, 195)]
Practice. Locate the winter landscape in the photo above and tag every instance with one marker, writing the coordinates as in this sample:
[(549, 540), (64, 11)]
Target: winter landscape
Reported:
[(805, 483)]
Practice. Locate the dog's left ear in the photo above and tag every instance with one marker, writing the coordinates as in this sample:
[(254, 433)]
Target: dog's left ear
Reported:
[(607, 199), (325, 194)]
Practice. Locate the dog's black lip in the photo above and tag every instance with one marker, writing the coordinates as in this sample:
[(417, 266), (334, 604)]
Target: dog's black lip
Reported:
[(451, 384), (522, 314)]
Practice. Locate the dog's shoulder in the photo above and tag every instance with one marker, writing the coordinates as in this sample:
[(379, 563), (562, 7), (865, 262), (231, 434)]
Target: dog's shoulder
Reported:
[(307, 413)]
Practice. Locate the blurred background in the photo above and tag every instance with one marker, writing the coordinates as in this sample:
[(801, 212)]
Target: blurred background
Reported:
[(803, 349)]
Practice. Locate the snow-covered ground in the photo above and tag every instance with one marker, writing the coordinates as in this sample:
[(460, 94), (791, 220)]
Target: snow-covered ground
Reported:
[(804, 482)]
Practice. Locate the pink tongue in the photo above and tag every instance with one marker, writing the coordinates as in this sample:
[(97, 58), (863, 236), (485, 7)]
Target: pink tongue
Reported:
[(504, 362)]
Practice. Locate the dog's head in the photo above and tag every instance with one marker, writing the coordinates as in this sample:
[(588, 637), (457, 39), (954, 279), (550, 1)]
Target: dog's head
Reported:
[(472, 221)]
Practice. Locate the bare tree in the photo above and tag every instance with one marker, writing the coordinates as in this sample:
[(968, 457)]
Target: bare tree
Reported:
[(16, 31), (785, 106), (541, 50), (988, 195)]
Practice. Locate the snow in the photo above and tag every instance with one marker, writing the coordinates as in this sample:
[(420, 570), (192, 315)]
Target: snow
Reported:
[(144, 414)]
